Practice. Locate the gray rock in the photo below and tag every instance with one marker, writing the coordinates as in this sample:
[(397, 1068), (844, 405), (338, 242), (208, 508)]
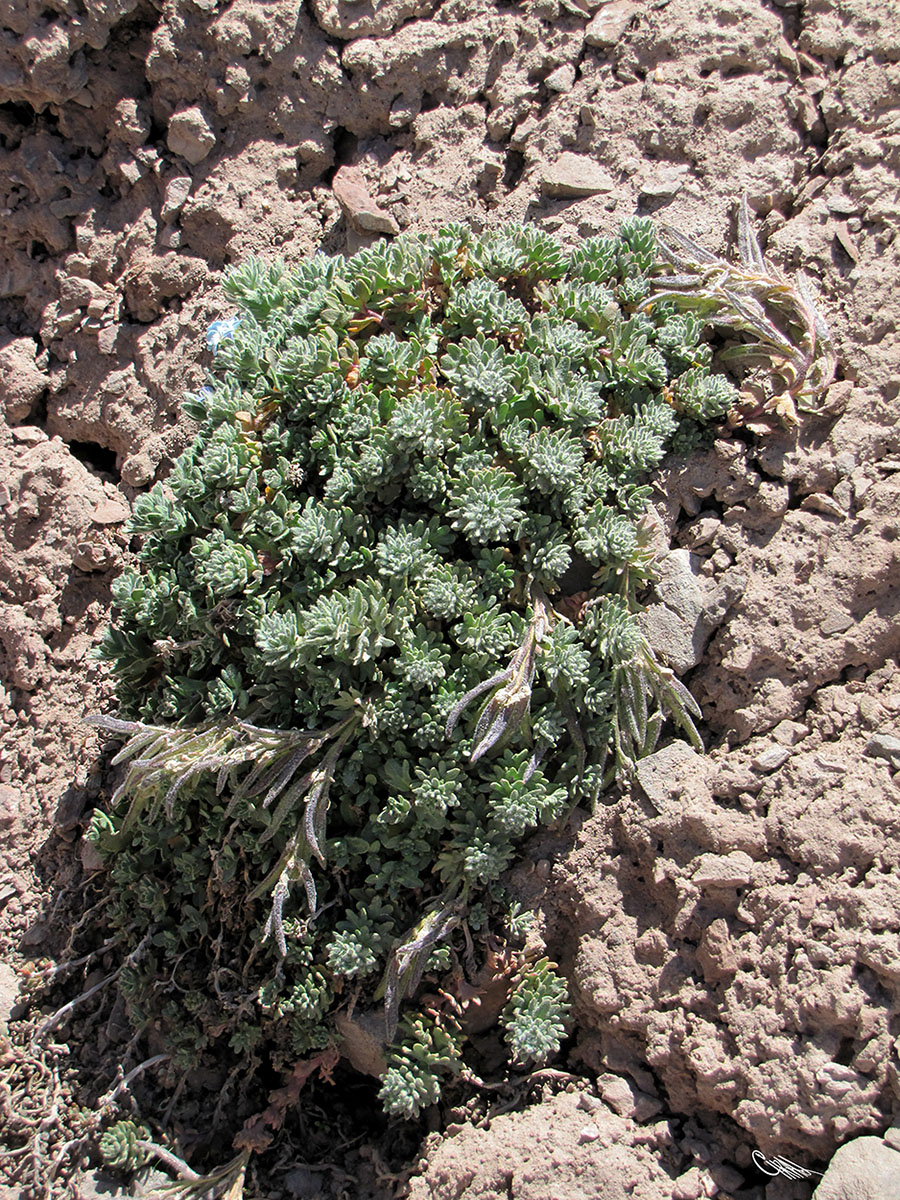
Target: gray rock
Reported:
[(678, 585), (93, 554), (864, 1169), (177, 191), (675, 627), (12, 808), (726, 1178), (884, 745), (68, 813), (107, 338), (562, 79), (190, 135), (665, 182), (771, 758), (575, 175), (661, 775), (609, 25), (670, 637), (9, 994), (102, 1184), (130, 123)]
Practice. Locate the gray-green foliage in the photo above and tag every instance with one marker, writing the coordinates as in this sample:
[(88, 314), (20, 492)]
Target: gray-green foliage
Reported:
[(120, 1146), (535, 1016), (384, 626)]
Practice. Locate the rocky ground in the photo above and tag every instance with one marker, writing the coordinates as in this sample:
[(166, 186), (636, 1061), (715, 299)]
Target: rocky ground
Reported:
[(730, 927)]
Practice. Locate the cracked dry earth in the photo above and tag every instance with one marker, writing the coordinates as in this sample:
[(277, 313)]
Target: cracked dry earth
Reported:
[(730, 926)]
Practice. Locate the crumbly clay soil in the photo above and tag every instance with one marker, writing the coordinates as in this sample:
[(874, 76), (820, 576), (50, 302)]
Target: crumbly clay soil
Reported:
[(730, 925)]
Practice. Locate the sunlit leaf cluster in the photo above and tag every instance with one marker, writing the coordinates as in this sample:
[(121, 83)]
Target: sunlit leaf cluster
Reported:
[(383, 627)]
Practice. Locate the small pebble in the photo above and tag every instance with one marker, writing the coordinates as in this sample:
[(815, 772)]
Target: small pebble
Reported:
[(562, 79), (771, 758), (28, 435)]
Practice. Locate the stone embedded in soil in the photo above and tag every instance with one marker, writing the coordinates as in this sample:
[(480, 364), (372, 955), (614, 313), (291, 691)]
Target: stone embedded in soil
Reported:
[(674, 627), (723, 870), (93, 554), (582, 8), (69, 811), (789, 733), (835, 622), (177, 192), (36, 934), (138, 469), (689, 1186), (22, 382), (9, 994), (626, 1100), (362, 212), (863, 1169), (884, 745), (190, 135), (610, 24), (771, 758), (29, 435), (716, 953), (546, 1150), (12, 807), (130, 123), (575, 175), (562, 79), (367, 18), (362, 1041), (660, 775), (823, 503), (91, 858), (110, 512), (665, 182), (107, 338), (102, 1184)]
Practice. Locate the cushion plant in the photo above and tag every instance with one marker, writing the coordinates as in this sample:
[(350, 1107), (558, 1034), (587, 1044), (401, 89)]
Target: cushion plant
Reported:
[(384, 625)]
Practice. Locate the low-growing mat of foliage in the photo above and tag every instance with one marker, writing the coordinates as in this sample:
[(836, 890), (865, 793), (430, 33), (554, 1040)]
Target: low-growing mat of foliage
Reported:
[(384, 626)]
